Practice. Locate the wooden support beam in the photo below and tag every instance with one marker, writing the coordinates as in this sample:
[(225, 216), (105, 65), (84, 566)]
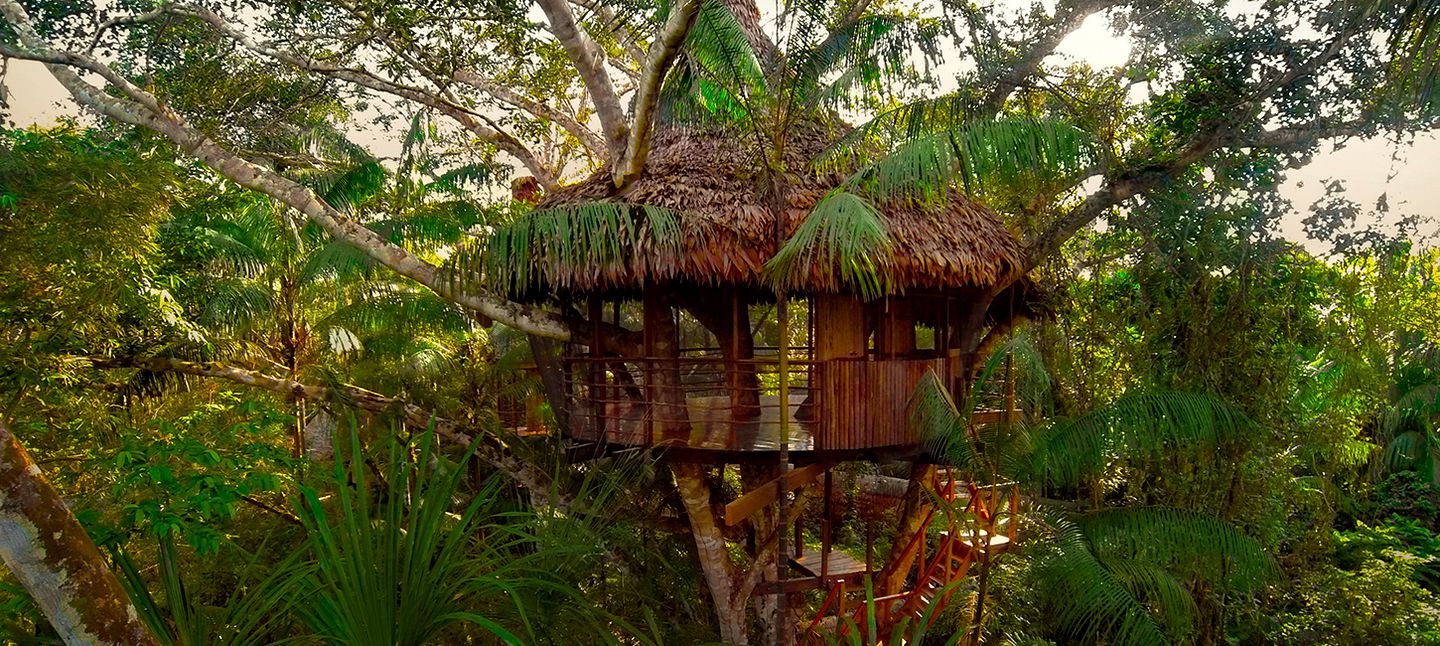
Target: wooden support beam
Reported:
[(762, 496)]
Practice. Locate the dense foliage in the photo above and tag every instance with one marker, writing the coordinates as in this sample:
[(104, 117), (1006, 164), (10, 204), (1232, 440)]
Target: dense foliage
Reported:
[(1229, 437)]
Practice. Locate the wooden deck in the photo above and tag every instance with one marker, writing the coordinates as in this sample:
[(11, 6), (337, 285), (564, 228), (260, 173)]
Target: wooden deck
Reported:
[(840, 564)]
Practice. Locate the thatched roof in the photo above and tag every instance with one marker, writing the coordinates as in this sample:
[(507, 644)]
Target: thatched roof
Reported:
[(712, 184)]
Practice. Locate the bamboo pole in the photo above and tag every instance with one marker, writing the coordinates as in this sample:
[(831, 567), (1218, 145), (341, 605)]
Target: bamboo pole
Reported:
[(782, 520)]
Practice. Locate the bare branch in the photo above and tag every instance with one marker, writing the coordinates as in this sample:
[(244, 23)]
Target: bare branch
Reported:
[(662, 55), (589, 61)]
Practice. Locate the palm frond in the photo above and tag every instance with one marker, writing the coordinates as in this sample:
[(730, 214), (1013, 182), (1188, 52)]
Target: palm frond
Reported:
[(718, 75), (844, 237), (566, 241), (351, 187), (238, 304), (902, 123), (976, 156), (1086, 598), (336, 260), (864, 55), (1138, 424), (1201, 545)]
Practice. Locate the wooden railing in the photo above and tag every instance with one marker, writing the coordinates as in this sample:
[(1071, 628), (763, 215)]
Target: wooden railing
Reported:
[(714, 403)]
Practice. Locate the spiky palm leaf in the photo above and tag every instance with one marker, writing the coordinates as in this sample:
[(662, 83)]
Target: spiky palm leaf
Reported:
[(406, 567), (1115, 576), (843, 234)]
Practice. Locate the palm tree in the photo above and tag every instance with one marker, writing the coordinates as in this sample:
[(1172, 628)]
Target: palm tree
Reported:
[(279, 294), (1128, 575)]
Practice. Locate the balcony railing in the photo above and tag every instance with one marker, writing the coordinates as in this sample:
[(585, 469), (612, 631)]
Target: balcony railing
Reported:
[(707, 402)]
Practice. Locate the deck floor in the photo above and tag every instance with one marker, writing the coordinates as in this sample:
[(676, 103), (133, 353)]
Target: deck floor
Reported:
[(840, 564)]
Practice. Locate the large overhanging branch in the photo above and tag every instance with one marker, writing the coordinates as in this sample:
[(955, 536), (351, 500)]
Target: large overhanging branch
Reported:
[(662, 56), (366, 400), (473, 122), (140, 108), (1122, 185), (1069, 15), (589, 62), (45, 547)]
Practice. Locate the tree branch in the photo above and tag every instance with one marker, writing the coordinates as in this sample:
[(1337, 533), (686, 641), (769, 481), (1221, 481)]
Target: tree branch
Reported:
[(538, 109), (1122, 186), (143, 109), (522, 473), (662, 55), (1069, 15), (471, 121), (589, 61)]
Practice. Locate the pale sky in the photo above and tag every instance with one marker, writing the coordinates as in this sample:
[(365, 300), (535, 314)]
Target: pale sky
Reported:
[(1408, 174)]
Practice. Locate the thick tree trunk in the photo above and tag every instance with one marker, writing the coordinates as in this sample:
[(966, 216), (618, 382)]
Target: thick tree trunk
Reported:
[(552, 378), (667, 395), (715, 564), (43, 544)]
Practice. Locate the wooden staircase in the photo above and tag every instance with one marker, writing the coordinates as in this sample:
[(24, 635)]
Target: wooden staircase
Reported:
[(975, 524)]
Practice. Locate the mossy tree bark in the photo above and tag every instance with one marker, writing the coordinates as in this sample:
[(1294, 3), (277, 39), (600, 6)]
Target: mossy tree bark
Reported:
[(44, 545)]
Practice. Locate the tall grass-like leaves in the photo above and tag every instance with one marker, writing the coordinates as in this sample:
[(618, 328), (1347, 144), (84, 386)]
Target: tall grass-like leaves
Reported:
[(843, 234), (254, 615), (403, 569)]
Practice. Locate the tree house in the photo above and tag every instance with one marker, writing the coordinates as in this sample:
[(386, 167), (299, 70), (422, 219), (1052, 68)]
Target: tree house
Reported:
[(685, 346)]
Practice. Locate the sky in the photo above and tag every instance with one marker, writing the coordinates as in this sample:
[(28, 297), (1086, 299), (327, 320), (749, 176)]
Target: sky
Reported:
[(1406, 174)]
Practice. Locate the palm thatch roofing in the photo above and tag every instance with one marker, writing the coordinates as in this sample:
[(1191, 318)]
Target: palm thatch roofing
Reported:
[(698, 217)]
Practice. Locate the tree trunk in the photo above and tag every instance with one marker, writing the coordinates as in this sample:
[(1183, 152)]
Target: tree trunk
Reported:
[(715, 564), (43, 544), (667, 395), (912, 515)]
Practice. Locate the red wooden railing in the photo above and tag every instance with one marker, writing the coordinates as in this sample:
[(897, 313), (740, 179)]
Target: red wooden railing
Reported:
[(968, 539)]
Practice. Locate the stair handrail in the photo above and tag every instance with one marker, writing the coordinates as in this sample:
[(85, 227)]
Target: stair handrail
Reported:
[(820, 614)]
